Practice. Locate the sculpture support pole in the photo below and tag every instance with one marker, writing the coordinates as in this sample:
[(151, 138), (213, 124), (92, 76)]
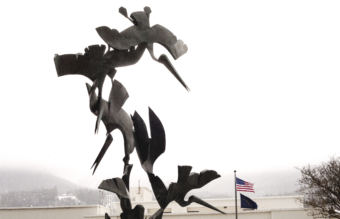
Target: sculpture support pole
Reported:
[(235, 194)]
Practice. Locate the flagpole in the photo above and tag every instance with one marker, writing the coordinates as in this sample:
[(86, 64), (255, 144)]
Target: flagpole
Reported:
[(235, 194)]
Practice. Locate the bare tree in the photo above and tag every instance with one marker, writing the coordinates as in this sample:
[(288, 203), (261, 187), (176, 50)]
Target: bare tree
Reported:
[(320, 186)]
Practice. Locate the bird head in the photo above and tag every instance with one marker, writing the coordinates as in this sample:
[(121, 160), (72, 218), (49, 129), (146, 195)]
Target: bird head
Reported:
[(141, 18)]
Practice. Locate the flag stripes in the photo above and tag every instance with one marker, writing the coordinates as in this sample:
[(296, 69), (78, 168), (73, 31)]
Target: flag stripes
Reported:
[(244, 186)]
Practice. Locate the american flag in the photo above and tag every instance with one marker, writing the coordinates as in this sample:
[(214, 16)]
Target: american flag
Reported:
[(244, 186)]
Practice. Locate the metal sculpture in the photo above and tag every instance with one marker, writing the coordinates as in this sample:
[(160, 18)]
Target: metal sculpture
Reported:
[(126, 48), (113, 117), (186, 182), (95, 63), (118, 186), (141, 32), (149, 149)]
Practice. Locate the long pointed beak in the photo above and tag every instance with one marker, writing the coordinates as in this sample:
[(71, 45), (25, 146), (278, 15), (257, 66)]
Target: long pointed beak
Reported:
[(201, 202), (100, 156), (165, 61)]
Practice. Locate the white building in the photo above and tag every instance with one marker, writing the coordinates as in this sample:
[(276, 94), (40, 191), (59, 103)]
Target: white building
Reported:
[(68, 198), (278, 207), (72, 212)]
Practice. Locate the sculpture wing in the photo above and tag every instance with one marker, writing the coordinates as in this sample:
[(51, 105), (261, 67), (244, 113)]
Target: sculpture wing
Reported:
[(157, 141), (118, 96), (163, 36), (206, 176), (159, 189), (183, 174), (196, 180), (114, 39), (115, 185), (188, 181), (141, 136), (89, 64)]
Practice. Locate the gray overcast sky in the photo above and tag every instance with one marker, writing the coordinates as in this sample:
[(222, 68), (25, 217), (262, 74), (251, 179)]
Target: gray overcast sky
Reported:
[(264, 79)]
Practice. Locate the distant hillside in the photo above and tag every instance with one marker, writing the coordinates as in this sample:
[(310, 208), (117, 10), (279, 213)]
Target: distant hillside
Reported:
[(22, 188), (265, 184), (23, 180)]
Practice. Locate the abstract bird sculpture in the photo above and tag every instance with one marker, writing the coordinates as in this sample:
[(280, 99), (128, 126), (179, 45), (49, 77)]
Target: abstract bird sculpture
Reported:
[(149, 149), (141, 32), (126, 48), (176, 192), (113, 117), (95, 63)]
